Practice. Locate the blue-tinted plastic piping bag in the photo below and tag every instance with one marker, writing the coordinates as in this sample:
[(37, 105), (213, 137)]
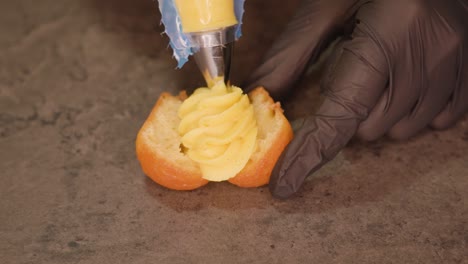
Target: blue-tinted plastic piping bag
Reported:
[(179, 42)]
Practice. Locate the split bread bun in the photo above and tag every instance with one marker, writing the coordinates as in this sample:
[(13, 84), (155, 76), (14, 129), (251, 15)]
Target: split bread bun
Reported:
[(162, 158)]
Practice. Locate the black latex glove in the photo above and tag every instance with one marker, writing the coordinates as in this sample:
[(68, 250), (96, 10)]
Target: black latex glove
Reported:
[(402, 67)]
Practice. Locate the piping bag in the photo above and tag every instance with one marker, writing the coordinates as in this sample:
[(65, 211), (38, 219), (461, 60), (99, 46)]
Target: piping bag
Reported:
[(206, 29)]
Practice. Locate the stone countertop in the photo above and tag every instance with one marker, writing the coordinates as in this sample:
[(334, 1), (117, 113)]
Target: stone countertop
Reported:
[(77, 80)]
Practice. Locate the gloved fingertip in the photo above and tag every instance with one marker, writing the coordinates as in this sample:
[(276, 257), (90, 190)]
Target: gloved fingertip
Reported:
[(281, 192), (280, 186)]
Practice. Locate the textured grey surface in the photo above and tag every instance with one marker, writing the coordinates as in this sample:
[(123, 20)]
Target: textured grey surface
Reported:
[(78, 78)]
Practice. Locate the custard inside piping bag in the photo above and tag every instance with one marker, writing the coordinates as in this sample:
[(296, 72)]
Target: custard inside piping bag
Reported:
[(171, 11)]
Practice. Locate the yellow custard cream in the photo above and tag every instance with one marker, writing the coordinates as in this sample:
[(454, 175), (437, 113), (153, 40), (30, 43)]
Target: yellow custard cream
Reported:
[(218, 130), (203, 15)]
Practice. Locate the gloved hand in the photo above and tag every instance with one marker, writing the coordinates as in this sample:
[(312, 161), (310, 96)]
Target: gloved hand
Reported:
[(402, 66)]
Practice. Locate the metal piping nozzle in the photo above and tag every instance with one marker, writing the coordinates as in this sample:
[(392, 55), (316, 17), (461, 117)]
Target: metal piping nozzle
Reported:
[(214, 54)]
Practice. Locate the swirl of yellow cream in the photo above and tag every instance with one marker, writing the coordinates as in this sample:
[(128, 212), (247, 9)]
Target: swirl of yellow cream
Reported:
[(218, 130)]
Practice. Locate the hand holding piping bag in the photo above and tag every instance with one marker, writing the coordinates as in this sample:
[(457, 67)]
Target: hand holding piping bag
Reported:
[(401, 66)]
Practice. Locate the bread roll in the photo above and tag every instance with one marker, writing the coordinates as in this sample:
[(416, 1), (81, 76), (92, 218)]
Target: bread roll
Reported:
[(160, 153)]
